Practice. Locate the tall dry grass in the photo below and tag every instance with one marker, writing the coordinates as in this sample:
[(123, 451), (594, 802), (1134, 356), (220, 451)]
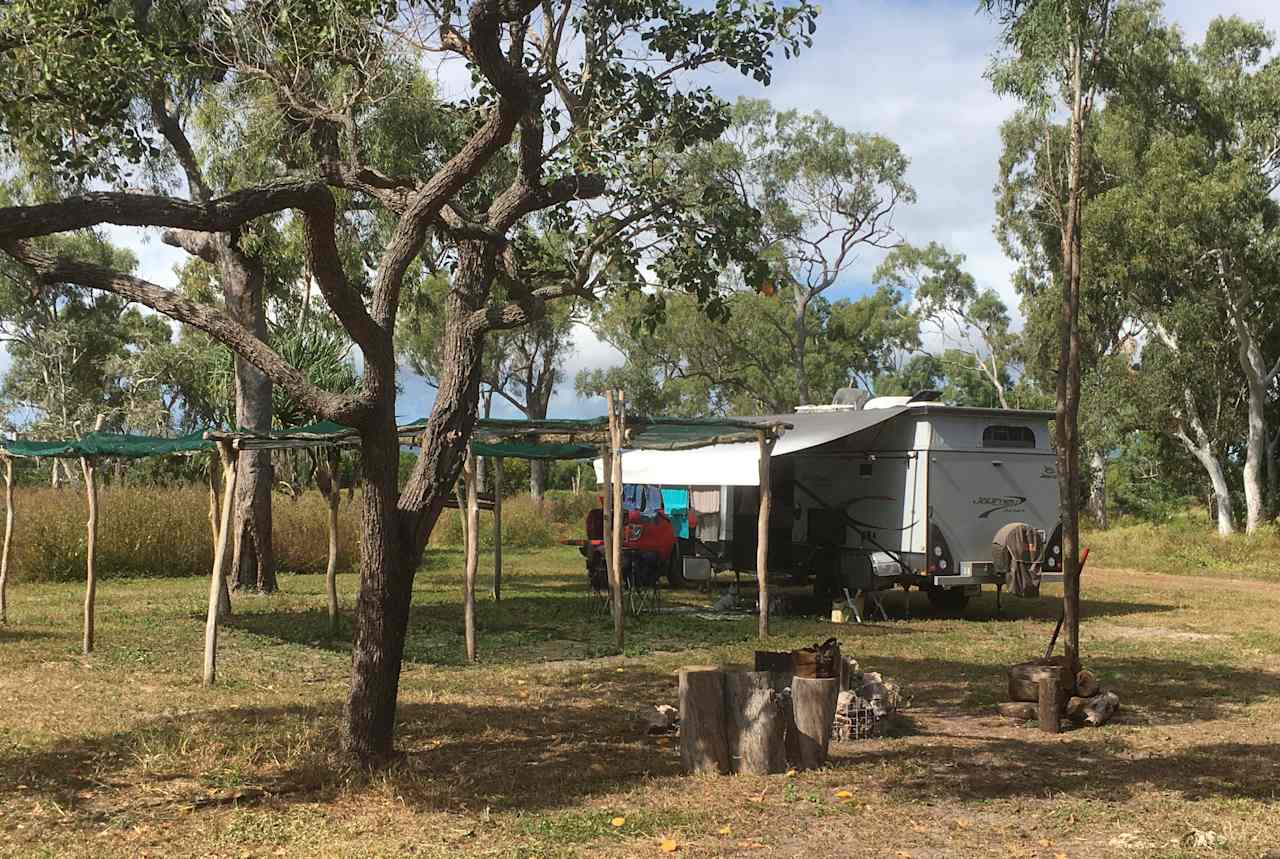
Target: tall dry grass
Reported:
[(159, 531), (148, 531)]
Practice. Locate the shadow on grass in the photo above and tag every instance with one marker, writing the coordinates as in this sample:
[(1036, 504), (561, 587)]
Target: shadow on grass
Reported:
[(1152, 691), (15, 633), (1011, 768), (455, 757), (544, 622), (583, 738)]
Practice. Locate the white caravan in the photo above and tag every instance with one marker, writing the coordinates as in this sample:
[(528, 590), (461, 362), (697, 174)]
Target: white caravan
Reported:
[(899, 491)]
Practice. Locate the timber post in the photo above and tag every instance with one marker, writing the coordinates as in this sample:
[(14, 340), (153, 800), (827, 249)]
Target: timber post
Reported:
[(89, 467), (473, 552), (217, 578), (497, 529), (766, 442), (333, 460), (606, 510), (617, 429), (8, 539)]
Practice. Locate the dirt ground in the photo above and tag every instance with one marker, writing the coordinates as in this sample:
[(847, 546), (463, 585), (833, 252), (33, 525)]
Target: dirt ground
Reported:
[(539, 749)]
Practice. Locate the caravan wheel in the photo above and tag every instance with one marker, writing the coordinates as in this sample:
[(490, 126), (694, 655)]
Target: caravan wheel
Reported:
[(675, 567), (947, 601)]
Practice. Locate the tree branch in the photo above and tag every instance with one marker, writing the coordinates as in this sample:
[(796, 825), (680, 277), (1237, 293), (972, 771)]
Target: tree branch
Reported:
[(49, 269), (219, 215)]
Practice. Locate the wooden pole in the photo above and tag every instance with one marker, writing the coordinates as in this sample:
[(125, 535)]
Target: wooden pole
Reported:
[(473, 552), (215, 516), (762, 532), (606, 509), (617, 427), (217, 575), (497, 529), (331, 571), (88, 466), (8, 540)]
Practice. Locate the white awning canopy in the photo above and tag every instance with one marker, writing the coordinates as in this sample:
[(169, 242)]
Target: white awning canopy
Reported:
[(739, 464)]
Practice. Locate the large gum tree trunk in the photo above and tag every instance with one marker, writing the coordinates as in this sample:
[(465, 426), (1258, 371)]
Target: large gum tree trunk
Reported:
[(394, 533), (1098, 488), (254, 559)]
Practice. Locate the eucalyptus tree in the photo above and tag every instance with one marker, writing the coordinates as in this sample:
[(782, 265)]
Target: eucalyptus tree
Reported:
[(1055, 57), (1195, 216), (584, 99), (826, 194), (947, 299), (689, 365)]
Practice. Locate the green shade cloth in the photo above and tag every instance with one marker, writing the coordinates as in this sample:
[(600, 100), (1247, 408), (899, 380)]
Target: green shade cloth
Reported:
[(531, 450), (123, 445), (517, 439)]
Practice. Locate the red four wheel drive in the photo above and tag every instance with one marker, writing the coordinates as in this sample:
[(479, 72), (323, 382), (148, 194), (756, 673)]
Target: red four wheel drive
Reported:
[(650, 549)]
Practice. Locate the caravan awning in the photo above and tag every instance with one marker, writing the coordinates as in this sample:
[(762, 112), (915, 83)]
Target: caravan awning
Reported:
[(739, 464)]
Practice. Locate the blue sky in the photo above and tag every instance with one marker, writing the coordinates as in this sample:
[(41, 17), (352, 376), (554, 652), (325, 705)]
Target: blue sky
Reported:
[(909, 70)]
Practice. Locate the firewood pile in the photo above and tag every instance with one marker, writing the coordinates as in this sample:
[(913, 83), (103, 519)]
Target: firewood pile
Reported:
[(1045, 690), (867, 703)]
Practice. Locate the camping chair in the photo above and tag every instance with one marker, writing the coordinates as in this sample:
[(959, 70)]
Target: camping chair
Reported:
[(598, 597), (640, 576)]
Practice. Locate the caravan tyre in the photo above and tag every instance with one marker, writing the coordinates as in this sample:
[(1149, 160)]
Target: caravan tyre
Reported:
[(675, 567), (947, 601)]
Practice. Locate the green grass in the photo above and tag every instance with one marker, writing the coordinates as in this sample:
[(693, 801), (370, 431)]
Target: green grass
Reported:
[(536, 749), (1187, 545)]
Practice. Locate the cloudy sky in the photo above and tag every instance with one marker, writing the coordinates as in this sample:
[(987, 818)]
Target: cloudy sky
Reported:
[(907, 69)]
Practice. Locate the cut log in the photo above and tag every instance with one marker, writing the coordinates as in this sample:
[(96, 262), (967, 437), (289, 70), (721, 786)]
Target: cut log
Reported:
[(776, 661), (703, 746), (1101, 708), (813, 702), (780, 681), (755, 723), (1023, 711), (1048, 704), (1024, 680), (1087, 684)]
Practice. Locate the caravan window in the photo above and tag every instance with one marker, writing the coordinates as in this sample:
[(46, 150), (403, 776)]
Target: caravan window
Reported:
[(1008, 436)]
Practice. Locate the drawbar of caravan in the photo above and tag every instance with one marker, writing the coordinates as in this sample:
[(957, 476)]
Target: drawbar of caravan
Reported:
[(894, 491)]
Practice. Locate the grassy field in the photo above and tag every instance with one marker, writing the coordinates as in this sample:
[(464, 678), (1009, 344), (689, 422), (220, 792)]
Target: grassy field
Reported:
[(537, 750)]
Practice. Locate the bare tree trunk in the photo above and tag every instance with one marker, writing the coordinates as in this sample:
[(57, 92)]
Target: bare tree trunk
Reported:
[(537, 480), (1208, 459), (1067, 419), (1098, 488), (394, 533), (1258, 377), (254, 558), (537, 411), (801, 346), (1273, 474)]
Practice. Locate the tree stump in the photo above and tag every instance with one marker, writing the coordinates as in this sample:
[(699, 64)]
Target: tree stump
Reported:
[(703, 745), (1048, 708), (780, 682), (755, 723), (813, 702), (1024, 681)]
